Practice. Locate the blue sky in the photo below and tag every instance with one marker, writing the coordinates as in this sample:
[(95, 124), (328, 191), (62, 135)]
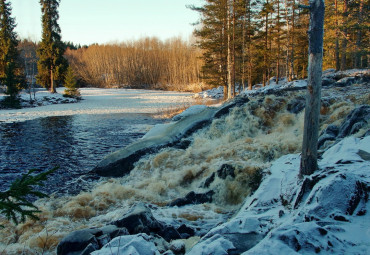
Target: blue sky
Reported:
[(104, 21)]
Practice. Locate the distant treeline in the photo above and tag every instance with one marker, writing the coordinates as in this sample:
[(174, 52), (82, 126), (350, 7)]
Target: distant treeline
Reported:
[(145, 63)]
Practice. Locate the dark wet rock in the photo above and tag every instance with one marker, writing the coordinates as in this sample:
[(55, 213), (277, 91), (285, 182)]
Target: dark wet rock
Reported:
[(185, 231), (78, 240), (225, 171), (87, 240), (88, 250), (193, 198), (209, 181), (357, 119), (329, 134), (139, 220), (326, 81), (296, 105), (169, 233)]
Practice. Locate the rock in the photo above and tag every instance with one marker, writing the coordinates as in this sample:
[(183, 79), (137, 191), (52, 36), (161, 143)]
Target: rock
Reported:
[(169, 233), (329, 134), (87, 240), (326, 81), (296, 105), (122, 161), (139, 220), (225, 171), (185, 231), (89, 249), (78, 240), (208, 181), (346, 81), (193, 198), (358, 118), (133, 244), (177, 247)]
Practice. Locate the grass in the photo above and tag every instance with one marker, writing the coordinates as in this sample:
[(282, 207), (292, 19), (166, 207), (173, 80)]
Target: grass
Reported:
[(173, 110)]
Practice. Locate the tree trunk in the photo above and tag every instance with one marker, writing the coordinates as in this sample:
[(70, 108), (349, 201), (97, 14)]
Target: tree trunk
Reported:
[(52, 86), (343, 64), (359, 36), (312, 111), (337, 59), (229, 54)]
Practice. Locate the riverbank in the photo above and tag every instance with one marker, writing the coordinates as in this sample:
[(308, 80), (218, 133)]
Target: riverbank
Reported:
[(99, 101), (231, 185)]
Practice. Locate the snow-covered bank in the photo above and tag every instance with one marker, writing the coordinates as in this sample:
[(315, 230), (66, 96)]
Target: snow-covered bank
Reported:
[(327, 212), (100, 101)]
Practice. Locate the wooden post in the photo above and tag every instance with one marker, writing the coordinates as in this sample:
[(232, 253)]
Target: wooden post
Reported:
[(312, 111)]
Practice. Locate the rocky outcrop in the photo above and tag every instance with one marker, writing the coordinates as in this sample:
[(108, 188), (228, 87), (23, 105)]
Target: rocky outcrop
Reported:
[(357, 119), (314, 215), (86, 241)]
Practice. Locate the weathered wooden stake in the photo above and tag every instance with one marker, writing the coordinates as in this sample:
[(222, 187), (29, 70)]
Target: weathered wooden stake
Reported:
[(312, 111)]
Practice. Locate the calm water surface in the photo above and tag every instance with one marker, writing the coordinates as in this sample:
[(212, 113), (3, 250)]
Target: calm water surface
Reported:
[(74, 143)]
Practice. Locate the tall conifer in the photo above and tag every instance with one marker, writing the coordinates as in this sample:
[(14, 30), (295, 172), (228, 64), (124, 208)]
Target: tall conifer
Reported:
[(51, 65), (10, 69)]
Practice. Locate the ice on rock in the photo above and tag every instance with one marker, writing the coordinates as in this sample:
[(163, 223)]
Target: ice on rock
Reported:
[(139, 244)]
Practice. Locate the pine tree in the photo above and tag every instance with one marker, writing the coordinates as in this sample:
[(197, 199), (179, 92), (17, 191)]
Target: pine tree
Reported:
[(71, 84), (10, 68), (51, 65)]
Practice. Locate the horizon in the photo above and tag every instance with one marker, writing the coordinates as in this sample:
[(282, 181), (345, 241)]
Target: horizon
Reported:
[(87, 22)]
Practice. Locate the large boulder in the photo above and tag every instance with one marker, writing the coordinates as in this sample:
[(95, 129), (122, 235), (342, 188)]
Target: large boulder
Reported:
[(132, 244), (122, 161), (87, 240), (141, 220)]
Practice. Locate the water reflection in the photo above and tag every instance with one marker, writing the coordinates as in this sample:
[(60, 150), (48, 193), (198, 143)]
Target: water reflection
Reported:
[(75, 143)]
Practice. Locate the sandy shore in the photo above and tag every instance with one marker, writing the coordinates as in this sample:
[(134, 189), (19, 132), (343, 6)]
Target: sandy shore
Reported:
[(102, 101)]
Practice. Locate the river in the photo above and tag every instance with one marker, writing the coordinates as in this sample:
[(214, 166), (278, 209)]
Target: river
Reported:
[(75, 143)]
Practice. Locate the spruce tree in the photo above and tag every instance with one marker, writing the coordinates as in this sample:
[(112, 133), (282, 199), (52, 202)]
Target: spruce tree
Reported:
[(51, 65), (71, 84), (10, 68)]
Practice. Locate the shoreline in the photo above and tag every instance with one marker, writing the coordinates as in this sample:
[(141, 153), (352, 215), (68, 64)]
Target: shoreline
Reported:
[(100, 101)]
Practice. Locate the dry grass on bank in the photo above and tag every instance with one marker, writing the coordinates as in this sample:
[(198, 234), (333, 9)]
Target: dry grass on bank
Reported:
[(173, 110)]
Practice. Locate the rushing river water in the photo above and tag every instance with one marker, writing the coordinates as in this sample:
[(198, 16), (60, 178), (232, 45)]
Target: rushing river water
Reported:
[(74, 143)]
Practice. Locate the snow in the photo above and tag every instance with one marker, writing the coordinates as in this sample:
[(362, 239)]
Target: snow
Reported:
[(139, 244), (215, 93), (216, 245), (99, 101), (308, 226), (195, 109)]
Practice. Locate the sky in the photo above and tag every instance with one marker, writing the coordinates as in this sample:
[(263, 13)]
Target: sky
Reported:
[(106, 21)]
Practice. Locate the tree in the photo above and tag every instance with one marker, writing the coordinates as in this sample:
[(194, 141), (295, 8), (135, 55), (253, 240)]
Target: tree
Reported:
[(51, 65), (312, 111), (10, 68), (28, 55), (71, 84), (14, 202)]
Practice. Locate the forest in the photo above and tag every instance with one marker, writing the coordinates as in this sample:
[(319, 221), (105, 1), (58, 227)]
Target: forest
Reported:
[(257, 39)]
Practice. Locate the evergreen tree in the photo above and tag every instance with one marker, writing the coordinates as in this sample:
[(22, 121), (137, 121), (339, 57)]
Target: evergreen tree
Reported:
[(51, 65), (14, 202), (71, 84), (10, 68)]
